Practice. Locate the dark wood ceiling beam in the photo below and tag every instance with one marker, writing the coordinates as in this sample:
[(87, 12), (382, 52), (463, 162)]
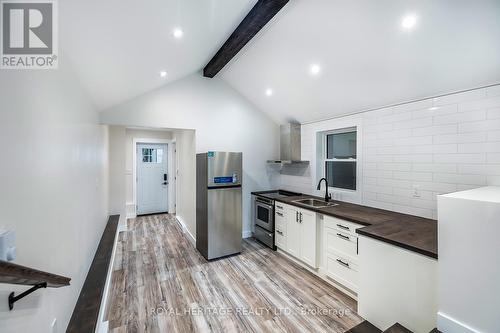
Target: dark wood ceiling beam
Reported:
[(257, 18)]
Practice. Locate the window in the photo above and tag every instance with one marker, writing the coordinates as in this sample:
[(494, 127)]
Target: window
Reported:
[(339, 155), (150, 155)]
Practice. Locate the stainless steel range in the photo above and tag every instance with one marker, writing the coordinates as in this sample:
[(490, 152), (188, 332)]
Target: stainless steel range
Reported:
[(264, 214)]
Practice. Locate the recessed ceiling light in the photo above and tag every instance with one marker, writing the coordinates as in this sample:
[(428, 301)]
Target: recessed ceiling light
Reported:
[(163, 74), (178, 33), (315, 69), (269, 92), (433, 108), (409, 21)]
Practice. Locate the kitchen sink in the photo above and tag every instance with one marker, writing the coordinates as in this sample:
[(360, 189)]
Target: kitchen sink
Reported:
[(315, 203)]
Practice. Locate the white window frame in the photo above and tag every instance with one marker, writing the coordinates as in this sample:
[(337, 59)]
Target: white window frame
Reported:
[(322, 159)]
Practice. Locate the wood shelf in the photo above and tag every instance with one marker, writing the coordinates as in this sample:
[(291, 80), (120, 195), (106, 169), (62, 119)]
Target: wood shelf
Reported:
[(16, 274)]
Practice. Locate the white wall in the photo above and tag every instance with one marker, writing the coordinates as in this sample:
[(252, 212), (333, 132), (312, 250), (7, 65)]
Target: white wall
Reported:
[(121, 149), (223, 120), (186, 179), (117, 174), (53, 189), (453, 147)]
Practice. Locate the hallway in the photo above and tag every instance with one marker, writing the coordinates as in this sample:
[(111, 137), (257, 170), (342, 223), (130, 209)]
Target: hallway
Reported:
[(161, 283)]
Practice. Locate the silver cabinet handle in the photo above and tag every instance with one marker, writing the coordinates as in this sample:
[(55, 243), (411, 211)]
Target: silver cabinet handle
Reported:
[(280, 207), (296, 216), (280, 214), (343, 236), (300, 217), (279, 232), (342, 227), (343, 263)]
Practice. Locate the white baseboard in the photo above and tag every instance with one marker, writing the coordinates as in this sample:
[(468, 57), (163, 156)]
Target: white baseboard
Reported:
[(447, 324), (247, 233), (131, 213), (185, 229)]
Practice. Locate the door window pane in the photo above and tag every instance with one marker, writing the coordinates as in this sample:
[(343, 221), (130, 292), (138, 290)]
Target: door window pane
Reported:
[(152, 155), (341, 145), (341, 174)]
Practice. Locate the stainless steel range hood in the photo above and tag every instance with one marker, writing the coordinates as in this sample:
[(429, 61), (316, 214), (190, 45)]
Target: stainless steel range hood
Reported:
[(290, 150)]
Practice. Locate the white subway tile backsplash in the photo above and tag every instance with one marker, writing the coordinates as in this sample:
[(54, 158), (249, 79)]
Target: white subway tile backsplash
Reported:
[(478, 126), (493, 113), (394, 166), (411, 141), (393, 199), (378, 189), (421, 176), (460, 158), (414, 123), (479, 104), (480, 169), (493, 157), (460, 97), (494, 136), (435, 130), (453, 146), (460, 178), (485, 147), (435, 167), (461, 117), (460, 138), (410, 158)]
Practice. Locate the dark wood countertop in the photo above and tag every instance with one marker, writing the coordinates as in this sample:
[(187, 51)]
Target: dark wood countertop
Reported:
[(410, 232)]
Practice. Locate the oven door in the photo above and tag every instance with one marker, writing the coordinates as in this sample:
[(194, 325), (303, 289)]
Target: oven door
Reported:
[(264, 215)]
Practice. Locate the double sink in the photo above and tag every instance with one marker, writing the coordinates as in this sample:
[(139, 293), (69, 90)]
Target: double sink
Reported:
[(315, 203)]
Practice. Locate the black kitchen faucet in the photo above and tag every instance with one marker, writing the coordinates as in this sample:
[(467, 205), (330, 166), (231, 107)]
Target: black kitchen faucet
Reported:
[(328, 197)]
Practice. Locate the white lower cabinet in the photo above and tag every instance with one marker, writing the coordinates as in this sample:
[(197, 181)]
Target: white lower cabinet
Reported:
[(296, 233), (340, 251)]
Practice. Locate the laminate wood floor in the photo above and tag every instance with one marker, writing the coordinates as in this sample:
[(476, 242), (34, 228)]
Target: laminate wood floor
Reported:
[(160, 283)]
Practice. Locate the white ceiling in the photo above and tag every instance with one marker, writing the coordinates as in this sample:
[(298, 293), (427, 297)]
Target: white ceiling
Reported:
[(367, 60), (119, 47)]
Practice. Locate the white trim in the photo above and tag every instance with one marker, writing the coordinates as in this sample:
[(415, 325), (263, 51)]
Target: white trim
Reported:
[(447, 324), (102, 325), (185, 229), (135, 141), (317, 134)]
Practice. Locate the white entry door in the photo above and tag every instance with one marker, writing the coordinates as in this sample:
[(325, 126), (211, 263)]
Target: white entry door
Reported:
[(152, 178)]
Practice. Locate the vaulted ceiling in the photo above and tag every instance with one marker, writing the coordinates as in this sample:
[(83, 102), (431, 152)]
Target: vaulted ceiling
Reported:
[(119, 47), (365, 58)]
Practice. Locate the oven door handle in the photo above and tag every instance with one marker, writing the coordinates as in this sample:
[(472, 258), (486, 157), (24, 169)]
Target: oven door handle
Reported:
[(260, 203)]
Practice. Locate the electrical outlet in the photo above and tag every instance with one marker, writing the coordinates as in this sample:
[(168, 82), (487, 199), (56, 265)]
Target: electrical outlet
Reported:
[(416, 191), (53, 326)]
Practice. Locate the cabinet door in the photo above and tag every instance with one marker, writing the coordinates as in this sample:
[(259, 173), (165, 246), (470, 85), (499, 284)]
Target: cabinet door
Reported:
[(280, 228), (293, 232), (308, 249)]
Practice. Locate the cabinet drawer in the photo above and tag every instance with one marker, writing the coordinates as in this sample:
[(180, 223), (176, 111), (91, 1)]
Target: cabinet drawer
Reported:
[(279, 207), (341, 225), (339, 241), (342, 270), (280, 237)]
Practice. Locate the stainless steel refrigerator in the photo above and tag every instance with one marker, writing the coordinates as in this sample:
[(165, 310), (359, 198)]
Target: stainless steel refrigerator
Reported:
[(218, 204)]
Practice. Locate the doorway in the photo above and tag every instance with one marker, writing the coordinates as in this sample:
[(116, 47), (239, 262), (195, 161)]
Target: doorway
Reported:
[(152, 178)]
